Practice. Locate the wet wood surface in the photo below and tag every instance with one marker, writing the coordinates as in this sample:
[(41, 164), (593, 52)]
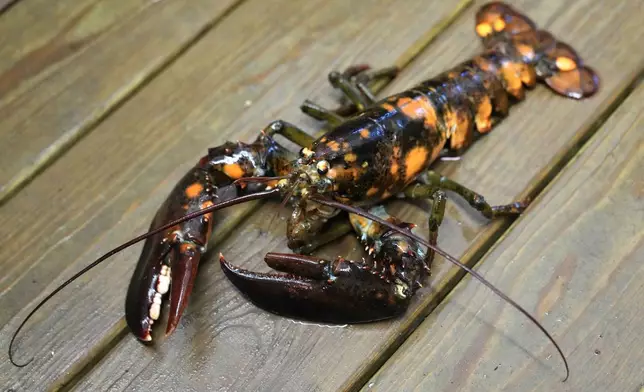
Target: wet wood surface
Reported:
[(575, 261), (257, 63)]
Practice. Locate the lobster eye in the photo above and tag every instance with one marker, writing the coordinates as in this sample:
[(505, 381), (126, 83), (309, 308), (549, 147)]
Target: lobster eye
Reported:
[(323, 167)]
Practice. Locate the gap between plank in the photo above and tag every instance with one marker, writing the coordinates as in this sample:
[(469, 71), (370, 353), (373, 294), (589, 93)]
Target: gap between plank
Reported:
[(5, 5), (119, 330), (67, 140), (499, 229)]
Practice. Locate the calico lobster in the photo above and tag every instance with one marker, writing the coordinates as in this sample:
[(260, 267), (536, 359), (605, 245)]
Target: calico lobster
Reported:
[(381, 150)]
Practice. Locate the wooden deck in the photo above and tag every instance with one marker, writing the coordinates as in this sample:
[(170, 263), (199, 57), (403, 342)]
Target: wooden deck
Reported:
[(105, 104)]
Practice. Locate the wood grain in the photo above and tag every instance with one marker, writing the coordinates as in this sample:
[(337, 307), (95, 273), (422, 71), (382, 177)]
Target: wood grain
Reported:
[(575, 261), (65, 65), (107, 187), (226, 343)]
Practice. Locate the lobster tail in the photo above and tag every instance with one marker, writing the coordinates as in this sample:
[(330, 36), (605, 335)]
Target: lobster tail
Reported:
[(497, 18), (564, 72), (554, 62)]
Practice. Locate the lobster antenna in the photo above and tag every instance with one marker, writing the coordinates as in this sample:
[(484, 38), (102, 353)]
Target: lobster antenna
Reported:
[(214, 207), (453, 260)]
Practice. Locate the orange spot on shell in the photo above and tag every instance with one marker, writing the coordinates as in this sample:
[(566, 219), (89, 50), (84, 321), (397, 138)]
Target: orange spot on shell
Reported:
[(341, 174), (526, 51), (528, 75), (394, 161), (206, 204), (372, 191), (483, 113), (388, 107), (233, 170), (483, 29), (565, 64), (499, 25), (364, 133), (333, 145), (512, 75), (194, 190), (185, 248), (415, 162), (394, 168), (418, 108), (460, 124), (359, 222), (350, 157), (485, 64)]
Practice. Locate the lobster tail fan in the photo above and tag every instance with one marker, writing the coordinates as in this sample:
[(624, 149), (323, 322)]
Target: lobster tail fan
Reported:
[(564, 72), (497, 18), (556, 63)]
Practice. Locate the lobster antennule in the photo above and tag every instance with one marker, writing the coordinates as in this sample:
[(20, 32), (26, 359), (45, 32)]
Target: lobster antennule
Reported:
[(450, 258), (214, 207)]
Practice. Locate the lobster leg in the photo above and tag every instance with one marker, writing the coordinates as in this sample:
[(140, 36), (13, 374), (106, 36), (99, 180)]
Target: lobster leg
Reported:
[(435, 181), (364, 79), (319, 113), (356, 83), (340, 290), (290, 132), (435, 219)]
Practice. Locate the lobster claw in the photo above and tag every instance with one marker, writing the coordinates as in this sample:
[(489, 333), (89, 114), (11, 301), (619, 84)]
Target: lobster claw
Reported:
[(170, 259), (329, 291), (175, 268)]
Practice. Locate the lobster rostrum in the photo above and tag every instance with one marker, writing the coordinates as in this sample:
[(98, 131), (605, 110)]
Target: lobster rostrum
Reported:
[(383, 149)]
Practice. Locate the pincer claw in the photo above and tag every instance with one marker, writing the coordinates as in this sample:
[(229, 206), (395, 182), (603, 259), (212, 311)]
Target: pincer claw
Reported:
[(331, 291), (170, 259), (167, 266)]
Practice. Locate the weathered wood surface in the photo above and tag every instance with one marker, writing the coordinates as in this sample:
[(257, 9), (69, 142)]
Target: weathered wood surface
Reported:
[(106, 188), (575, 261), (65, 65), (226, 343), (6, 4)]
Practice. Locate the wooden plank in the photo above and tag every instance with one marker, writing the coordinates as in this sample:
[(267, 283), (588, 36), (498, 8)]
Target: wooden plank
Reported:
[(6, 4), (107, 188), (233, 345), (66, 64), (574, 260)]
